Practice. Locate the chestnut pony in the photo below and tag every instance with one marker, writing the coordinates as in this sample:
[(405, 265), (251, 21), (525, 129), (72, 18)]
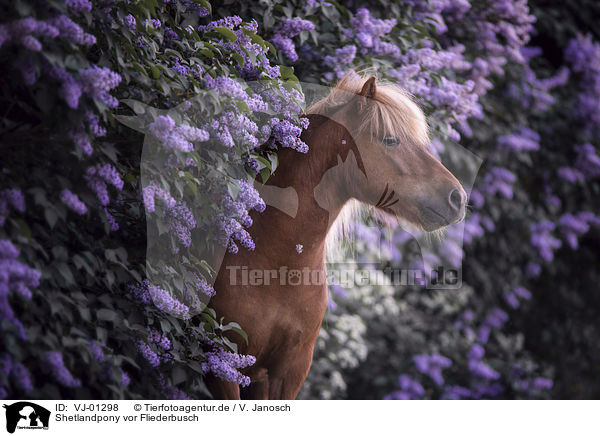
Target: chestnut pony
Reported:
[(367, 141)]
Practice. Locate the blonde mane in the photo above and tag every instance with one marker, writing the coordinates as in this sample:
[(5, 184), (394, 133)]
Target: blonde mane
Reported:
[(391, 113)]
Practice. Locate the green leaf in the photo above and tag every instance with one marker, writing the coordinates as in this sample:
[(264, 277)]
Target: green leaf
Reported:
[(225, 32), (106, 315)]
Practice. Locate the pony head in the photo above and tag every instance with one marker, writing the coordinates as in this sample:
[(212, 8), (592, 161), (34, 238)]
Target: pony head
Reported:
[(392, 169)]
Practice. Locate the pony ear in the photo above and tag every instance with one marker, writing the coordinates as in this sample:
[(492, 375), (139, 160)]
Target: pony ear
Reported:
[(369, 88)]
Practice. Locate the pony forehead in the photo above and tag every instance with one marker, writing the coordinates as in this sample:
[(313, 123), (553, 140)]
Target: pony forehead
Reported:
[(391, 112)]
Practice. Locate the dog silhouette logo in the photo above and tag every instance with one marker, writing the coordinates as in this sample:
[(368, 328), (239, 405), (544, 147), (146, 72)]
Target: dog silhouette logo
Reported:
[(26, 415)]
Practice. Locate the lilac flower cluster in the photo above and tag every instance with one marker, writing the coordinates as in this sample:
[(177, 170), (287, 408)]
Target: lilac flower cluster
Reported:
[(26, 32), (227, 87), (179, 217), (523, 139), (479, 368), (255, 62), (534, 93), (498, 181), (575, 226), (496, 318), (15, 371), (432, 366), (174, 137), (584, 56), (149, 356), (369, 32), (96, 351), (146, 293), (79, 5), (71, 31), (59, 371), (542, 239), (587, 165), (233, 128), (97, 82), (287, 134), (165, 302), (235, 216), (15, 278), (455, 102), (73, 202), (409, 389), (99, 176), (513, 297), (287, 29), (10, 199), (226, 365), (162, 343), (340, 62), (184, 70)]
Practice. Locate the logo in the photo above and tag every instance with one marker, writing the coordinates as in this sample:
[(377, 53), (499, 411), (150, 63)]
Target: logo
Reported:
[(26, 415)]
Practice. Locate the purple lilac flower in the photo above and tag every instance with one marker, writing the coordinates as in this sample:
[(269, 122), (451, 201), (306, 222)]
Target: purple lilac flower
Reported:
[(71, 31), (139, 292), (523, 139), (98, 177), (96, 350), (342, 59), (22, 377), (125, 380), (368, 32), (496, 318), (179, 217), (499, 181), (542, 383), (176, 137), (93, 123), (10, 199), (456, 393), (543, 240), (587, 162), (203, 286), (79, 5), (255, 62), (112, 223), (584, 55), (409, 389), (225, 365), (96, 82), (16, 278), (299, 248), (166, 303), (513, 296), (432, 366), (483, 370), (476, 352), (70, 89), (72, 202), (287, 29), (82, 141), (56, 367), (533, 270), (150, 356)]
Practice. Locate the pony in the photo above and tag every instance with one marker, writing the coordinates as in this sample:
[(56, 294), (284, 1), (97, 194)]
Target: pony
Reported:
[(367, 142)]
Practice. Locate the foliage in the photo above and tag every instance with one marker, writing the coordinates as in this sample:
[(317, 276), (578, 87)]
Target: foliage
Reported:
[(84, 315)]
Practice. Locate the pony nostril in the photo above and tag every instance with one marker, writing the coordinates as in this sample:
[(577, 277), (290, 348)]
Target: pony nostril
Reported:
[(457, 199)]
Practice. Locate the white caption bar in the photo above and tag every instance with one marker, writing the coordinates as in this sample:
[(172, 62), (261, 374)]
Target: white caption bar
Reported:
[(311, 417)]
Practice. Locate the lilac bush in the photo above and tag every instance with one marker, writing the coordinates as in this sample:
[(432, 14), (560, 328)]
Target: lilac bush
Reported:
[(76, 68)]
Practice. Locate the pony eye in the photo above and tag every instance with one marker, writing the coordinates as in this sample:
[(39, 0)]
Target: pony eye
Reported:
[(391, 142)]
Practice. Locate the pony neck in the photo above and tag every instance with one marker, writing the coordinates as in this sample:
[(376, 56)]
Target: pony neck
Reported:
[(305, 195)]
